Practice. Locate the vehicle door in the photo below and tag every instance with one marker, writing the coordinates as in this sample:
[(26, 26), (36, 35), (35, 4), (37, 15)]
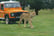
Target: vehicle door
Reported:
[(2, 11)]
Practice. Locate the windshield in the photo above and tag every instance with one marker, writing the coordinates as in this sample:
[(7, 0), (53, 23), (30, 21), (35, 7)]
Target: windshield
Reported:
[(12, 5)]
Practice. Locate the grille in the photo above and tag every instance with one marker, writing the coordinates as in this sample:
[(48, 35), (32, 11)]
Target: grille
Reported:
[(18, 13)]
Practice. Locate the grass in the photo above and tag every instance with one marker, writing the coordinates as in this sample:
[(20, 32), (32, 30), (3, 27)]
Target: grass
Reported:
[(43, 26)]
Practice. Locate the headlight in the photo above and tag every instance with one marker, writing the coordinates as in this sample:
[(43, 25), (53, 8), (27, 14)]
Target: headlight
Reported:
[(12, 14)]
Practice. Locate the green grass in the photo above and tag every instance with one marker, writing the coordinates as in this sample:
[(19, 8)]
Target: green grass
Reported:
[(43, 26)]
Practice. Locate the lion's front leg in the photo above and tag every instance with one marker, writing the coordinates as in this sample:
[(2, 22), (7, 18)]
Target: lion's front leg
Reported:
[(20, 21), (24, 22)]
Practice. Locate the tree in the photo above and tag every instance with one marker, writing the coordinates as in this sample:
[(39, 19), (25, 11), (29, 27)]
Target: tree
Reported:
[(23, 3), (36, 4), (51, 4)]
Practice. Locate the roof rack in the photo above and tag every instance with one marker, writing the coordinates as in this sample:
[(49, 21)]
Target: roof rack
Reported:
[(9, 2)]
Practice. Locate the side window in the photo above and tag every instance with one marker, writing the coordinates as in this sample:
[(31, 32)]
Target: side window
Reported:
[(2, 8)]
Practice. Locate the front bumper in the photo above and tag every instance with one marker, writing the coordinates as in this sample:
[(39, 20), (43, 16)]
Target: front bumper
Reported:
[(17, 16), (14, 19)]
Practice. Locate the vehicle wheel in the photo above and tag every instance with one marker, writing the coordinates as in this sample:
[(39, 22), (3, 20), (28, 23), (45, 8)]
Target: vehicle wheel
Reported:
[(7, 20)]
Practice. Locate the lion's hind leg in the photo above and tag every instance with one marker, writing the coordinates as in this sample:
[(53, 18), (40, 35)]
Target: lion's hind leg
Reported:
[(30, 22), (24, 22)]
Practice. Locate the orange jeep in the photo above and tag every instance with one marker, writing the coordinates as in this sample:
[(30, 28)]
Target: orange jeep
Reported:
[(10, 11)]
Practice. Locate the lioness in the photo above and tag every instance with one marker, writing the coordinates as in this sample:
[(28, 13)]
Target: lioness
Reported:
[(27, 17)]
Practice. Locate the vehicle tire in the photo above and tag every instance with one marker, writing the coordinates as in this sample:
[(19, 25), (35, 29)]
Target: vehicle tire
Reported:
[(7, 20)]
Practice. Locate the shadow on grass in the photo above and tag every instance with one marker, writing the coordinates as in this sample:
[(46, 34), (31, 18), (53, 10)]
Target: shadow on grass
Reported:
[(9, 23)]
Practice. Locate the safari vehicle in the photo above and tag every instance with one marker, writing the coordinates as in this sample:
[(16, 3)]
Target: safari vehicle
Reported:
[(10, 11)]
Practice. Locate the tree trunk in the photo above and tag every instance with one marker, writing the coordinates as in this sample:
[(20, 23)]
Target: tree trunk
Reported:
[(23, 7), (36, 12)]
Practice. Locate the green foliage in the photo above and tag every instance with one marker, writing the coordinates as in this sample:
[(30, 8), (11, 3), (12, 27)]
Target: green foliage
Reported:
[(36, 4), (52, 4)]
